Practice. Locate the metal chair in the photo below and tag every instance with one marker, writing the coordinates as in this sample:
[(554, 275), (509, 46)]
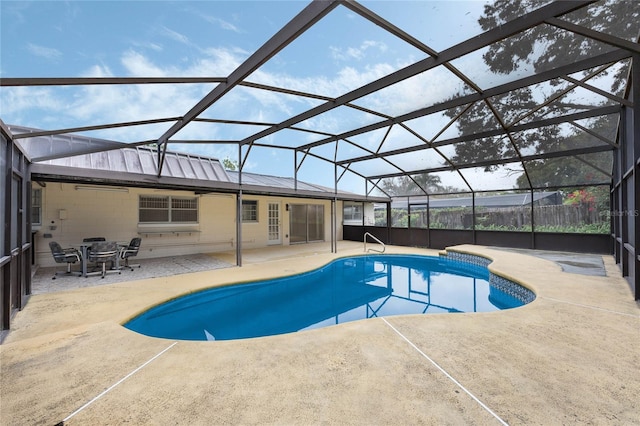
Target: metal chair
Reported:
[(130, 251), (101, 253), (68, 256)]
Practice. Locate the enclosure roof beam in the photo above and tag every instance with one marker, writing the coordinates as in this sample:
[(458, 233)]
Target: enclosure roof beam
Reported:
[(311, 154), (605, 58), (294, 28), (490, 133), (389, 27), (486, 163), (485, 39), (93, 81), (596, 35), (603, 93), (89, 128)]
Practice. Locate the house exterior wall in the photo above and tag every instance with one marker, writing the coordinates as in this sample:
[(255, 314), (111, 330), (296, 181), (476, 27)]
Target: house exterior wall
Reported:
[(69, 215)]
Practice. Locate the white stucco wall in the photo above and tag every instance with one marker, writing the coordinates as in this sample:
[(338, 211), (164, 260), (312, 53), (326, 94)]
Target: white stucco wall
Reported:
[(114, 215)]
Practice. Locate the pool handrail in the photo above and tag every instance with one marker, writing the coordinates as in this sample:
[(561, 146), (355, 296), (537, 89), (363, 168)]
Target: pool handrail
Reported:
[(376, 240)]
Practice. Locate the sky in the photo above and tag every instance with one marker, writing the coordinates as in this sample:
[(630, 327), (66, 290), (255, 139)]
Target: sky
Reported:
[(211, 38)]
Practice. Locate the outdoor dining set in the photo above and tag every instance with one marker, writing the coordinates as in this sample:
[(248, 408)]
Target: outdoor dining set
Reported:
[(96, 255)]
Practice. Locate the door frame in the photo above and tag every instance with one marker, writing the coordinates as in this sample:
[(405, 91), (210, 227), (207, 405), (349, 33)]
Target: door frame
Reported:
[(278, 218)]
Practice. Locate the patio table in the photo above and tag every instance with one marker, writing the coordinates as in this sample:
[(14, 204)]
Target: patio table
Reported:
[(84, 249)]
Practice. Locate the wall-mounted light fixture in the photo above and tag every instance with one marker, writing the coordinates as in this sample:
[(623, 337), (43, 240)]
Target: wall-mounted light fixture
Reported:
[(101, 188)]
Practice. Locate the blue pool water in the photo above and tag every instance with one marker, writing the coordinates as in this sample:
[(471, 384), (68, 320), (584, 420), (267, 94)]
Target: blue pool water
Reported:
[(347, 289)]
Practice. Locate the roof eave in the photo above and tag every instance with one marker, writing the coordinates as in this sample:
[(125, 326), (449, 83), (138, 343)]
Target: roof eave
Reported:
[(48, 172)]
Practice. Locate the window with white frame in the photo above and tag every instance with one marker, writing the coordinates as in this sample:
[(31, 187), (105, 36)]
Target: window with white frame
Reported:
[(249, 210), (167, 209)]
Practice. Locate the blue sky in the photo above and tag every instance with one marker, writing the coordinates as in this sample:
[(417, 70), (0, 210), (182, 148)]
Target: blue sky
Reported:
[(211, 38)]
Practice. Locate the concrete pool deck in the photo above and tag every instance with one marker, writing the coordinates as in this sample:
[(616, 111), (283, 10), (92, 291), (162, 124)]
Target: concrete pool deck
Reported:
[(571, 356)]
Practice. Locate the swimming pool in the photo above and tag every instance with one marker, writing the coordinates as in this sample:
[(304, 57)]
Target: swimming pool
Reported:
[(347, 289)]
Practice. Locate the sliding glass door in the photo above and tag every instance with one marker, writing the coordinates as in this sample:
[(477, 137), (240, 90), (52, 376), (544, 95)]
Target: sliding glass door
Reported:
[(315, 223), (306, 223)]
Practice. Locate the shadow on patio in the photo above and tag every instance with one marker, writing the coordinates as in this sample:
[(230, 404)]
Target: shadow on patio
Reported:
[(42, 281)]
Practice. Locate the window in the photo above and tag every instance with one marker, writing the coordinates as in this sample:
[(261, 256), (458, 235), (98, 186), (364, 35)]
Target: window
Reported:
[(184, 209), (249, 211), (352, 212), (36, 206), (167, 209)]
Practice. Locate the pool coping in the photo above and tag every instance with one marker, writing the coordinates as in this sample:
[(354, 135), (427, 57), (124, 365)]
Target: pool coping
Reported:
[(147, 322)]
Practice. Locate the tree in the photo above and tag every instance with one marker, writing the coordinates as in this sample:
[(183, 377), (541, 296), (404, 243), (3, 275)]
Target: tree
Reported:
[(230, 164), (542, 47), (562, 171), (405, 185)]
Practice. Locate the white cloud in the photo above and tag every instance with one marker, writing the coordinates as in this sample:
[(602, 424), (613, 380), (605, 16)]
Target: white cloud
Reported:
[(417, 92), (98, 71), (148, 45), (358, 52), (138, 65), (102, 104), (225, 25), (174, 35), (22, 101), (218, 62), (219, 22), (44, 52)]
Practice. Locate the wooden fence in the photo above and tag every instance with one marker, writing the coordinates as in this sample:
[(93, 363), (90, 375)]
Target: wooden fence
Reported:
[(556, 216)]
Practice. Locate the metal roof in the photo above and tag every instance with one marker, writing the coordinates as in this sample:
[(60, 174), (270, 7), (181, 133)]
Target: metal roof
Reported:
[(548, 115), (138, 165), (275, 181), (143, 161)]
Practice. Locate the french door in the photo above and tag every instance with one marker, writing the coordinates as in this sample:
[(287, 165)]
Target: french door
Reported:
[(275, 236)]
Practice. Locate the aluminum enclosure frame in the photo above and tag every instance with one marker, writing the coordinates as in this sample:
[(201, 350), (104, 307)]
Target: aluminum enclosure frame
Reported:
[(19, 167)]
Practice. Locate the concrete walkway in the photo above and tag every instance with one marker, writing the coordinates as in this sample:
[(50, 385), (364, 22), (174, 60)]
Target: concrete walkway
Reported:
[(575, 263), (42, 281), (570, 357)]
